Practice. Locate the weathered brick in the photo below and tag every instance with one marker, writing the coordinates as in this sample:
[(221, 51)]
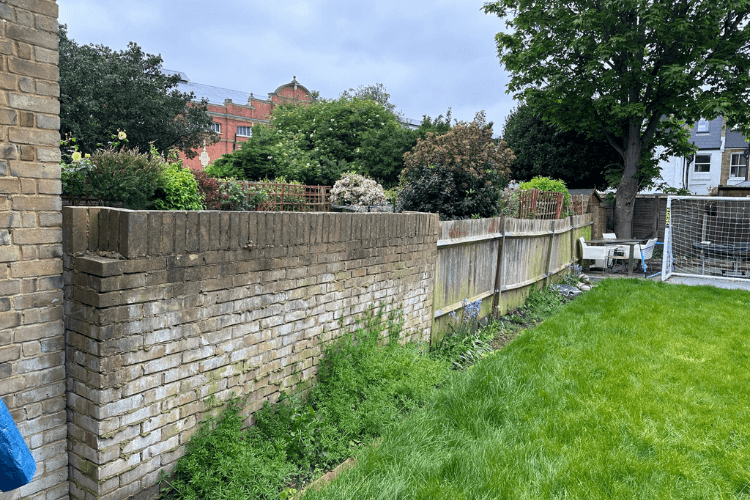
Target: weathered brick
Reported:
[(45, 88), (8, 81), (35, 268), (48, 155), (133, 239), (8, 117), (10, 186), (37, 236), (37, 203), (33, 136), (7, 13), (48, 122), (33, 36)]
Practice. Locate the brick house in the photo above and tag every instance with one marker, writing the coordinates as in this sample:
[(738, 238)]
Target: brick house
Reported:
[(235, 113)]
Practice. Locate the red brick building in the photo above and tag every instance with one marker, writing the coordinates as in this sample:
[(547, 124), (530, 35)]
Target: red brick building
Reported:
[(235, 113)]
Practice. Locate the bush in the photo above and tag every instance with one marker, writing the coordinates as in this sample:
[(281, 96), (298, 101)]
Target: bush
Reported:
[(355, 189), (546, 184), (458, 174), (116, 176), (236, 196), (223, 170), (208, 188), (180, 190)]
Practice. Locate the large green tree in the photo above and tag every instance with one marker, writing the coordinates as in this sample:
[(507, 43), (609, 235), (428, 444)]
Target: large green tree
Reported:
[(318, 142), (632, 72), (542, 149), (103, 91)]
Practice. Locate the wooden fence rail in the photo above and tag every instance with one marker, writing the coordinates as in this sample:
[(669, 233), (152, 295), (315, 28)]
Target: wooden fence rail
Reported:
[(499, 260)]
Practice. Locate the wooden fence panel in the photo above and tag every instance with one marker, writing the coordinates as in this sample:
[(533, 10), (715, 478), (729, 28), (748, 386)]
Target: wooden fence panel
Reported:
[(498, 260)]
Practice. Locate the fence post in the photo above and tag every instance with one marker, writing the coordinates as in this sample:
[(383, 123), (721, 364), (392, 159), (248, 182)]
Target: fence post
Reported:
[(558, 205), (549, 253), (499, 274)]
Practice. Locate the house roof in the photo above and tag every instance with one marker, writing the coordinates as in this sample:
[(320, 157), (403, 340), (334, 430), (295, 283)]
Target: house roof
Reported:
[(214, 95), (710, 139), (735, 139)]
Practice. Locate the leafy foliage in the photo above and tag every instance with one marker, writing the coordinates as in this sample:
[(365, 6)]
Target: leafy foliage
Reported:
[(208, 187), (542, 183), (355, 189), (466, 342), (457, 174), (315, 144), (367, 381), (543, 149), (630, 73), (115, 176), (180, 189), (103, 90)]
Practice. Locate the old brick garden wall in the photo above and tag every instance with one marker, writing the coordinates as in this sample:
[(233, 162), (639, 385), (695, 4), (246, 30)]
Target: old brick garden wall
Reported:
[(164, 309), (32, 357)]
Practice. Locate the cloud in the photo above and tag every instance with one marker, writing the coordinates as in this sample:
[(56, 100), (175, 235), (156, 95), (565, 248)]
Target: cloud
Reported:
[(428, 55)]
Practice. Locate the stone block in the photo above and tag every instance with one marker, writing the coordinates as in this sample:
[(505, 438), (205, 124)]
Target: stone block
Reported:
[(132, 239)]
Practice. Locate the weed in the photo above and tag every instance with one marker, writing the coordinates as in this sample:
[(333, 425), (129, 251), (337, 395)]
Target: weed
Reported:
[(366, 382), (466, 342)]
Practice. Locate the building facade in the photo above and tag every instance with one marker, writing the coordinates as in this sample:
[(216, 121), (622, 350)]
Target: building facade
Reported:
[(719, 160), (235, 112)]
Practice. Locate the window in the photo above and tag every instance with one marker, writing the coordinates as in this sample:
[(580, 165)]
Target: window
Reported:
[(702, 163), (702, 125), (245, 131), (215, 127), (738, 167)]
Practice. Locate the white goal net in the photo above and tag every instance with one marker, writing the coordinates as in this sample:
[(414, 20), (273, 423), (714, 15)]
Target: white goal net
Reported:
[(707, 236)]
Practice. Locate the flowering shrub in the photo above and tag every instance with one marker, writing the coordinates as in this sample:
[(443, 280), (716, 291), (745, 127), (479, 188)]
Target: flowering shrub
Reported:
[(355, 189)]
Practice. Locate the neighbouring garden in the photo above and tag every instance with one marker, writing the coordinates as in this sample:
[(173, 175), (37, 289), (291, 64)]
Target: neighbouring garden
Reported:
[(633, 390)]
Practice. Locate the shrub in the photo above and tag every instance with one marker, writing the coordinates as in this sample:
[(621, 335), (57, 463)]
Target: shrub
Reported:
[(222, 169), (355, 189), (546, 184), (123, 176), (458, 174), (208, 188), (180, 190), (237, 196)]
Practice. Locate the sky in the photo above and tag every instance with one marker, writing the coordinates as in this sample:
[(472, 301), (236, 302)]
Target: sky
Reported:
[(429, 55)]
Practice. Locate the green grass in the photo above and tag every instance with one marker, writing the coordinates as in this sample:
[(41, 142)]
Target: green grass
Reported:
[(635, 390)]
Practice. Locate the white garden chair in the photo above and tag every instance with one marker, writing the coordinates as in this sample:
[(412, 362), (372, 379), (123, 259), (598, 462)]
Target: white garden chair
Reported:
[(599, 254)]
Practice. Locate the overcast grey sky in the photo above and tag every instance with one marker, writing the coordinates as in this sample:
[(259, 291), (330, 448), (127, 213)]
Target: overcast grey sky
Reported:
[(430, 55)]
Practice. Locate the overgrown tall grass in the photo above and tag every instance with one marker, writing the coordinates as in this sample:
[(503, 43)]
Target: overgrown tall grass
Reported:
[(367, 381), (636, 390)]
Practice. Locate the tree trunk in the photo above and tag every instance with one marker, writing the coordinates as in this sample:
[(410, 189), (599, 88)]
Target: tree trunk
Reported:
[(628, 186)]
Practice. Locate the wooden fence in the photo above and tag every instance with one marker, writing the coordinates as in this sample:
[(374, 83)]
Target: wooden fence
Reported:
[(293, 197), (545, 205), (499, 260)]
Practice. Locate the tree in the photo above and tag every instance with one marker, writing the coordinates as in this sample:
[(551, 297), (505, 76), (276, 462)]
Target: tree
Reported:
[(104, 91), (375, 93), (317, 143), (458, 174), (630, 72), (542, 149)]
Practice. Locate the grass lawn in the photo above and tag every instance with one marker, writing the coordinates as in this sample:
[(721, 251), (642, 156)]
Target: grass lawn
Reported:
[(635, 390)]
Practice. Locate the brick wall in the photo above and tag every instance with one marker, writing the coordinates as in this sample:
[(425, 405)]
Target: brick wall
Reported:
[(32, 370), (164, 309)]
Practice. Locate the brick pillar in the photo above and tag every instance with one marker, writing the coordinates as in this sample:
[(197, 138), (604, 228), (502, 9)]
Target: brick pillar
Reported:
[(32, 359)]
